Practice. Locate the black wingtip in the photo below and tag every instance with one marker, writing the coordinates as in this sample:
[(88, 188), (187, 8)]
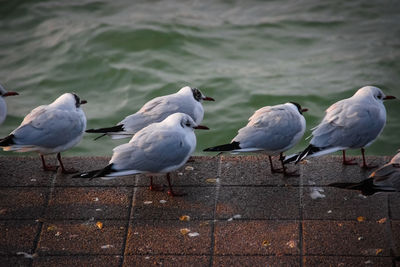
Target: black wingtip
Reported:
[(96, 173), (7, 141), (227, 147), (291, 158), (117, 128)]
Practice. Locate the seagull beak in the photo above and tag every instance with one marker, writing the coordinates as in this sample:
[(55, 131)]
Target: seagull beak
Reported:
[(83, 102), (304, 110), (10, 94), (201, 127), (206, 98), (389, 97)]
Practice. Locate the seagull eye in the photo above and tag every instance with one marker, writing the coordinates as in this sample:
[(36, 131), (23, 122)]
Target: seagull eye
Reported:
[(380, 96), (187, 124)]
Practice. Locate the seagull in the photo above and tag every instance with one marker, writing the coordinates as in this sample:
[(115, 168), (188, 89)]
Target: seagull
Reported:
[(156, 149), (49, 129), (3, 105), (353, 123), (272, 129), (187, 100), (384, 179)]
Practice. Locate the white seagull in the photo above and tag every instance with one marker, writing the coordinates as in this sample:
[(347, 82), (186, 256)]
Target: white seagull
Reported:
[(350, 123), (384, 179), (272, 129), (187, 100), (49, 129), (156, 149), (3, 105)]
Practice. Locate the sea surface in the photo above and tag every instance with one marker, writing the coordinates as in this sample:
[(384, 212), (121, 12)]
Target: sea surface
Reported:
[(246, 54)]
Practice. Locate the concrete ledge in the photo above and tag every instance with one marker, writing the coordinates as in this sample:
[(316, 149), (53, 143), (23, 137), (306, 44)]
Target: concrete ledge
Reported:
[(238, 214)]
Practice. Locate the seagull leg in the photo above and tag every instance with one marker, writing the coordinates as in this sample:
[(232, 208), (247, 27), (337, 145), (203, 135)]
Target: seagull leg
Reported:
[(273, 170), (347, 161), (63, 170), (153, 187), (170, 191), (47, 167), (286, 173), (365, 165)]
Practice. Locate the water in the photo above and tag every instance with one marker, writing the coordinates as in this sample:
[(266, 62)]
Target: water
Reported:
[(246, 54)]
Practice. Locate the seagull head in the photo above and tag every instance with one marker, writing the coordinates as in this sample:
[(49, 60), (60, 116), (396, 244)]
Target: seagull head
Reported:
[(69, 101), (183, 120), (373, 92), (196, 93), (298, 107)]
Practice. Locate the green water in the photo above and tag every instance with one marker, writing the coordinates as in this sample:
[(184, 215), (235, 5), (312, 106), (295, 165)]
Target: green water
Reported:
[(246, 54)]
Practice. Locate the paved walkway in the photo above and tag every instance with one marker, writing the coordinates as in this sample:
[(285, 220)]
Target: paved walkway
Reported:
[(235, 213)]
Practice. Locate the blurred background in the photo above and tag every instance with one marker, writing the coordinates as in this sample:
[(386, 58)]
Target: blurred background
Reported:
[(246, 54)]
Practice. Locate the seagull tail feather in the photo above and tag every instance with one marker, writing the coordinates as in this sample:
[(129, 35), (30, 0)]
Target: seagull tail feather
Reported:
[(311, 149), (117, 128), (366, 186), (227, 147), (96, 173), (7, 141)]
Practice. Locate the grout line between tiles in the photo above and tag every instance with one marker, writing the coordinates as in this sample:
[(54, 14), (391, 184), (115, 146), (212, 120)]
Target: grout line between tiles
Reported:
[(131, 208)]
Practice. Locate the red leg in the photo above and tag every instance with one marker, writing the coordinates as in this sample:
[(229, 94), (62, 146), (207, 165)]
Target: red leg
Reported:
[(153, 187), (47, 167), (170, 191), (347, 161), (63, 170), (365, 165)]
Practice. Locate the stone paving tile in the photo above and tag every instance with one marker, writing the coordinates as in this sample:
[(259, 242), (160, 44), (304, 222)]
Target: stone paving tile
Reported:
[(235, 171), (250, 261), (19, 261), (165, 237), (346, 261), (353, 238), (256, 238), (87, 164), (22, 203), (396, 237), (80, 237), (152, 205), (90, 202), (77, 261), (394, 205), (258, 202), (198, 172), (166, 260), (17, 236), (23, 171), (342, 204), (331, 170)]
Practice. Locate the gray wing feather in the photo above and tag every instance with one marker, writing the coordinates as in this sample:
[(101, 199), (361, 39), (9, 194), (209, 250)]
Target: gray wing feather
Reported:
[(156, 110), (48, 128), (352, 127), (270, 129), (151, 151)]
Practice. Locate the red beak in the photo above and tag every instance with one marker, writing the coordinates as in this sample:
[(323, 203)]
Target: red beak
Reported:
[(83, 102), (389, 97), (10, 94), (208, 98), (304, 110), (201, 127)]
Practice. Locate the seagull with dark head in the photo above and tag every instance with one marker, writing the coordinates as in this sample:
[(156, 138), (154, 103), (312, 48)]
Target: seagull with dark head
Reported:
[(272, 130), (187, 100), (350, 123), (159, 148), (50, 129)]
